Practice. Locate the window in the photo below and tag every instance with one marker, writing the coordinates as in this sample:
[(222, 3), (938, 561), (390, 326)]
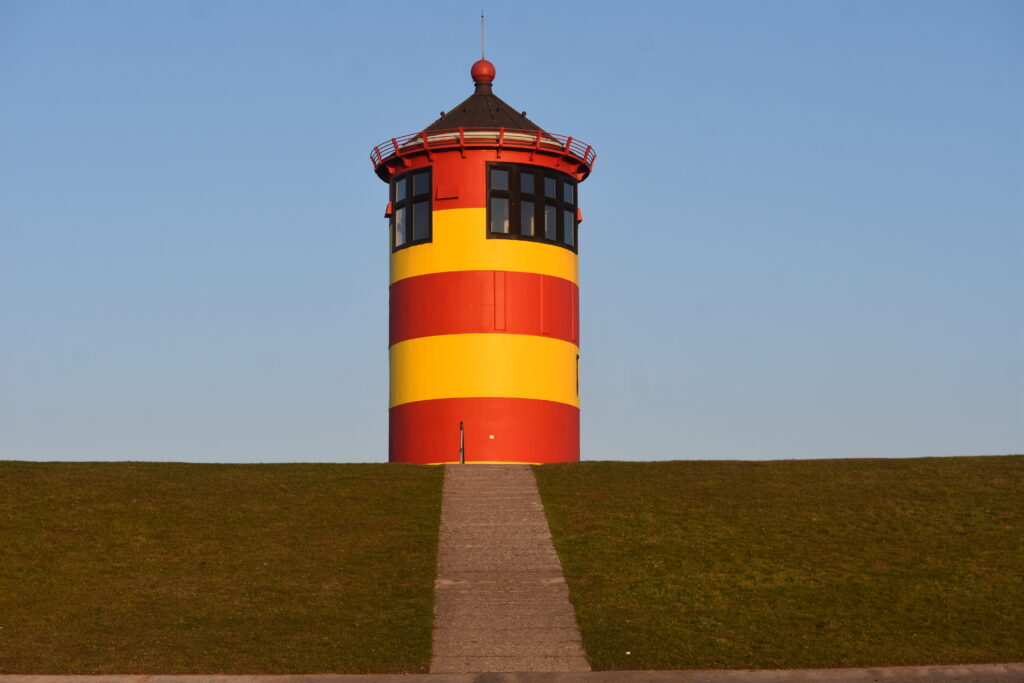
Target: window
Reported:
[(531, 203), (410, 214)]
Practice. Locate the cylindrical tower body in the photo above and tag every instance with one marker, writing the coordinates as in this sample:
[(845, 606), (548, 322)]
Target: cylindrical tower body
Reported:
[(484, 299)]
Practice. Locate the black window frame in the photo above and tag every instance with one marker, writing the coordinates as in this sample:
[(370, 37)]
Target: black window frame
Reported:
[(515, 196), (407, 204)]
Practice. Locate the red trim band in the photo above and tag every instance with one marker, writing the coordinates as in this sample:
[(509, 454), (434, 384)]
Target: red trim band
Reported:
[(475, 301), (496, 430), (461, 181)]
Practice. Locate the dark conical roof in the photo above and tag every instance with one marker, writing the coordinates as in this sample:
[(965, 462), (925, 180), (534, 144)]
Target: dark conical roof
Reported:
[(483, 109), (482, 114)]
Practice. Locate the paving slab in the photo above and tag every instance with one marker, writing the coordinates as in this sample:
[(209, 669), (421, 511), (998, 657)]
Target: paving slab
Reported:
[(500, 600), (516, 621)]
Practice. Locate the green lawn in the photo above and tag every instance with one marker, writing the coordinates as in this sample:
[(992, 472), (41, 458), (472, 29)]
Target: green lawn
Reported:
[(178, 568), (793, 563)]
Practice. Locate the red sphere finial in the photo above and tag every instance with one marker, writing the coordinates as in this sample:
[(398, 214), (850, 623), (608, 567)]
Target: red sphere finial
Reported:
[(482, 71)]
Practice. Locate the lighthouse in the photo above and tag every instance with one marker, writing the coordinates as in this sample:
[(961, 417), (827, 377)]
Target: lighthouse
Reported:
[(484, 235)]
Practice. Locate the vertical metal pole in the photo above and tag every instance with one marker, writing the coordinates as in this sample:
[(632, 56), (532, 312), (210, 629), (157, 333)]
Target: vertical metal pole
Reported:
[(462, 444)]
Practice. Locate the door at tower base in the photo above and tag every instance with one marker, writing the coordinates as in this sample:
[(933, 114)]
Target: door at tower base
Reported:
[(512, 430)]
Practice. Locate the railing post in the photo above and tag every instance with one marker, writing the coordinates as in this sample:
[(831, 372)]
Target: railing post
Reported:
[(426, 146), (462, 444)]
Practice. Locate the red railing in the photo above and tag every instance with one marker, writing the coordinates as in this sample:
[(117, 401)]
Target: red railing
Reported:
[(467, 138)]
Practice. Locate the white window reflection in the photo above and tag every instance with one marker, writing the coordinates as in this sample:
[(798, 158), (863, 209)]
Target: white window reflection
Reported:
[(499, 215)]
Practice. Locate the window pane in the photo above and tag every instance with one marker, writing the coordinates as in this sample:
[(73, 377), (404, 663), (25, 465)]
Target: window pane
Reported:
[(526, 225), (549, 188), (550, 222), (568, 192), (499, 215), (526, 183), (499, 179), (399, 227), (568, 233), (400, 189), (420, 221), (421, 183)]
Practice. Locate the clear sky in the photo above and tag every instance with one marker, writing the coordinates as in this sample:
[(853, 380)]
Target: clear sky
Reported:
[(803, 236)]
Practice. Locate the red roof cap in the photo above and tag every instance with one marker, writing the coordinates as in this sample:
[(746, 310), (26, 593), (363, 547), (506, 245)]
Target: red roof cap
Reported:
[(482, 71)]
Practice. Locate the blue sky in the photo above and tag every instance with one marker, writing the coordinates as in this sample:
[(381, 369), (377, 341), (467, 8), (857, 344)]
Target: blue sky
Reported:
[(803, 235)]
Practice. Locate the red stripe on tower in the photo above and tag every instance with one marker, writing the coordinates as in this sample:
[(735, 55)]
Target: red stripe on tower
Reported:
[(469, 301), (496, 430)]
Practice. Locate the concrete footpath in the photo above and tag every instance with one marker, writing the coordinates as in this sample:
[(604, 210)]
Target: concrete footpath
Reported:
[(973, 673), (500, 600)]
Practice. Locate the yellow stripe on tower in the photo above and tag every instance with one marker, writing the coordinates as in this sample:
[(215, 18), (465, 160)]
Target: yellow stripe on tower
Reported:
[(470, 365), (460, 243)]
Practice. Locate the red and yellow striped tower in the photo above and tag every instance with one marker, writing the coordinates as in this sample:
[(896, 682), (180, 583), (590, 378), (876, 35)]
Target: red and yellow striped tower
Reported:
[(484, 330)]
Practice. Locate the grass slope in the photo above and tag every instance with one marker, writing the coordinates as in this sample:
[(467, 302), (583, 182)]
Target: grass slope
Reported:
[(179, 568), (793, 563)]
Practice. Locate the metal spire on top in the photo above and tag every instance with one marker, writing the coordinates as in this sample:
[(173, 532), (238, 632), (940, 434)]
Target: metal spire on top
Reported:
[(481, 34)]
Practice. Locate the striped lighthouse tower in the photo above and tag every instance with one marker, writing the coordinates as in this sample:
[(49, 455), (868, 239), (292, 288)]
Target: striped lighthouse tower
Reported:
[(484, 322)]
